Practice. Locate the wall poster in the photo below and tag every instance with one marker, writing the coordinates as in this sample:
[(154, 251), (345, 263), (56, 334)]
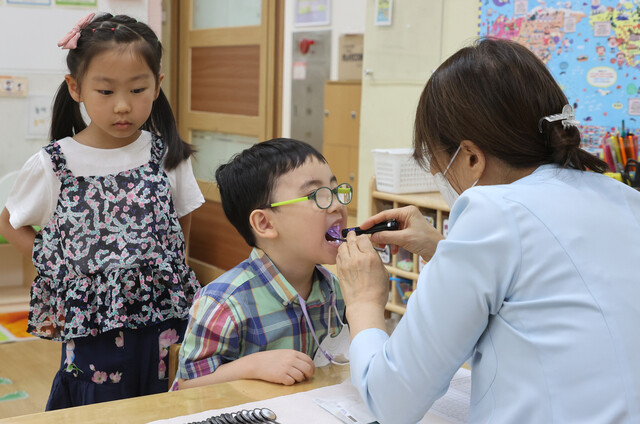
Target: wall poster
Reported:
[(39, 116), (312, 12), (592, 48)]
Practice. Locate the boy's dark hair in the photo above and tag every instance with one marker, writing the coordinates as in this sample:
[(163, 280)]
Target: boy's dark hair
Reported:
[(103, 33), (494, 93), (247, 181)]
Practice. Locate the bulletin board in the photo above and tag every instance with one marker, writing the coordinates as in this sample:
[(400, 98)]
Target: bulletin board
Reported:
[(592, 48)]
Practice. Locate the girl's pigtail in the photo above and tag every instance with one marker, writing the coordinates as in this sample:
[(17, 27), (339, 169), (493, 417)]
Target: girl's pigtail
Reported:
[(66, 119), (162, 122)]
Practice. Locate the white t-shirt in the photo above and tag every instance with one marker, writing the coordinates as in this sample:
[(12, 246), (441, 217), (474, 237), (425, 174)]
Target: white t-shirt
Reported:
[(34, 196)]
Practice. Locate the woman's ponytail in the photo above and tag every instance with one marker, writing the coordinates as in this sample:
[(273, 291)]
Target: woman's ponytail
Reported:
[(564, 149)]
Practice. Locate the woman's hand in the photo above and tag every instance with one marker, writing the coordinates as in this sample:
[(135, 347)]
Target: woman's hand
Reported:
[(364, 282), (414, 233)]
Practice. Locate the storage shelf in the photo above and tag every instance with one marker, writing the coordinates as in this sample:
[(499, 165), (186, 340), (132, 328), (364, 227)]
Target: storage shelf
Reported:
[(401, 272), (430, 203), (398, 309), (429, 200)]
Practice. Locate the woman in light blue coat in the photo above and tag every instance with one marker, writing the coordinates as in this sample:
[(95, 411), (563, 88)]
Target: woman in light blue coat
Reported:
[(538, 280)]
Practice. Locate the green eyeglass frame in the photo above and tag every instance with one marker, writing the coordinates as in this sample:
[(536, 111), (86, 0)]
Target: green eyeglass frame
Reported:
[(343, 192)]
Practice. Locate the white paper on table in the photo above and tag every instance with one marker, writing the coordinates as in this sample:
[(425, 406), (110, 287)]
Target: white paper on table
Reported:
[(290, 409), (348, 409), (313, 406), (454, 405)]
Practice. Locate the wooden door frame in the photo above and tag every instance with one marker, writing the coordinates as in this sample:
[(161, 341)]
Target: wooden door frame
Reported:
[(215, 241), (271, 79), (275, 50), (174, 55), (278, 65)]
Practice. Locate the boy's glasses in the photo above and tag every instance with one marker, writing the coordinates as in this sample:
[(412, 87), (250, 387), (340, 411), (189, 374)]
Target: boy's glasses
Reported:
[(324, 196)]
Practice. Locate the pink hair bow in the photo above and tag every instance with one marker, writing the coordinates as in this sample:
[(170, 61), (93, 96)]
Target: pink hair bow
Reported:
[(70, 41)]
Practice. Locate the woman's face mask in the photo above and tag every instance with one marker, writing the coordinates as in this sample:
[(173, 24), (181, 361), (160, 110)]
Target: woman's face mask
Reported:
[(445, 187)]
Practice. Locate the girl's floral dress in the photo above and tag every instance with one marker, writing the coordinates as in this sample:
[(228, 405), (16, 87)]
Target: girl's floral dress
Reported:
[(112, 283)]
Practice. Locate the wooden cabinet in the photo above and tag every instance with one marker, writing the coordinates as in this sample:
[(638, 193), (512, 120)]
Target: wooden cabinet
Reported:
[(341, 131), (404, 267)]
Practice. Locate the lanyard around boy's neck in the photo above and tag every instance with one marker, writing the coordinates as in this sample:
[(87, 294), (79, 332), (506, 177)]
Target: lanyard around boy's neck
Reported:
[(332, 305)]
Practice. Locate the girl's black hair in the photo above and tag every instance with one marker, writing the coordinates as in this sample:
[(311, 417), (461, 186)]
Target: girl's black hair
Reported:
[(105, 32)]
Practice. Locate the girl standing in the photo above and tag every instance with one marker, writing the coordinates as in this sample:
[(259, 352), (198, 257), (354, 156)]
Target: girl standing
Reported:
[(113, 199)]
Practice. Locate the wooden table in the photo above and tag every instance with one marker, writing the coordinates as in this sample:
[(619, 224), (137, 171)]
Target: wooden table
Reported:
[(183, 402)]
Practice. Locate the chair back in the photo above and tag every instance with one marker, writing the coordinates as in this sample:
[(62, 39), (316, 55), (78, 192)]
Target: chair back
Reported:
[(174, 352)]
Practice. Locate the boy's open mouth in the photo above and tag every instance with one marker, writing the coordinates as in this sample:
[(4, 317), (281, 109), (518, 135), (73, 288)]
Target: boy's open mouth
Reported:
[(333, 235)]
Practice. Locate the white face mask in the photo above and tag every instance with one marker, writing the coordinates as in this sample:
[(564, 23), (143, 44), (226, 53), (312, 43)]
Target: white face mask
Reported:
[(445, 187)]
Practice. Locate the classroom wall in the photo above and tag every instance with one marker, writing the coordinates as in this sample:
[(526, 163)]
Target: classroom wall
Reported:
[(28, 49), (347, 17), (398, 60)]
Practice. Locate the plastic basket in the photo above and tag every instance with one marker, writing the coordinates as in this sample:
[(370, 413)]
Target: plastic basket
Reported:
[(397, 172)]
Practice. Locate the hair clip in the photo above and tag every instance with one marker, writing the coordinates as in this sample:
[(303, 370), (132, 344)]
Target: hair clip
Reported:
[(70, 41), (568, 117)]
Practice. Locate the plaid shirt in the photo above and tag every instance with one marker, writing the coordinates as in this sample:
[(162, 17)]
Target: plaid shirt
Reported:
[(253, 308)]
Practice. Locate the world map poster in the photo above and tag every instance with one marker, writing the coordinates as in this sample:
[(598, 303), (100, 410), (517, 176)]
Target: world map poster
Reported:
[(591, 47)]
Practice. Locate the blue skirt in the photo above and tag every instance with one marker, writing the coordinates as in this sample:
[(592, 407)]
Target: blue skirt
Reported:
[(118, 364)]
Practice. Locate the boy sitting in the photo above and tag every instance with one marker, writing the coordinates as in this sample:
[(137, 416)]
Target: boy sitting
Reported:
[(264, 318)]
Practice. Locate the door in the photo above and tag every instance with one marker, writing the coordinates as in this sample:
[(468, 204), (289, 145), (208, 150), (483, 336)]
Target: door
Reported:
[(229, 84), (229, 77)]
